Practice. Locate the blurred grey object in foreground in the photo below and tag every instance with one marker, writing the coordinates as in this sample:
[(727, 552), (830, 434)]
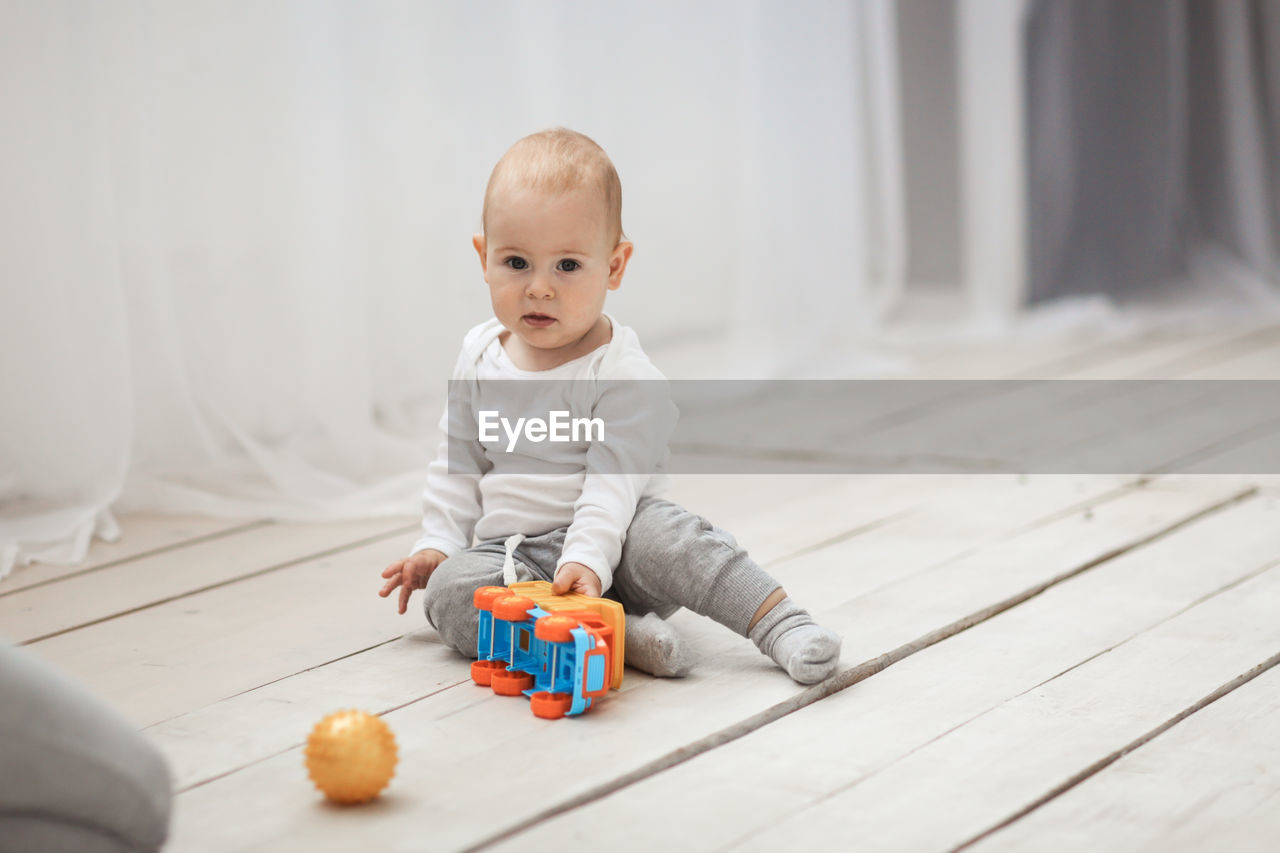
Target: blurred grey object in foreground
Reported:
[(74, 775)]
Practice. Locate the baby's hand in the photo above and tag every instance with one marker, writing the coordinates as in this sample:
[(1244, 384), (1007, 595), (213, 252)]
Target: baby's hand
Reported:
[(575, 577), (411, 573)]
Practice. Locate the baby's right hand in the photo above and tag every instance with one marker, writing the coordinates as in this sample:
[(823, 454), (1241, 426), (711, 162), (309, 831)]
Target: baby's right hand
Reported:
[(410, 573)]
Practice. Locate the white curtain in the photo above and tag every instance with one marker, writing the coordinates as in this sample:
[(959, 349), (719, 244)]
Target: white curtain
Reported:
[(1154, 148), (235, 236)]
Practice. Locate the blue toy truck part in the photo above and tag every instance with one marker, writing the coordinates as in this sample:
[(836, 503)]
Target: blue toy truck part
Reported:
[(554, 650)]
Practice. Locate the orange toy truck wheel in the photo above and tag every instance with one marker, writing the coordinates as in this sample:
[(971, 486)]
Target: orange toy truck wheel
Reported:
[(506, 682), (485, 596), (482, 670), (512, 608), (555, 629), (550, 706)]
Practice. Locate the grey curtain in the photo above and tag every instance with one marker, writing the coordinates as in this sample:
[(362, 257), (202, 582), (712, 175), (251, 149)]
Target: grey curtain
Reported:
[(1153, 132)]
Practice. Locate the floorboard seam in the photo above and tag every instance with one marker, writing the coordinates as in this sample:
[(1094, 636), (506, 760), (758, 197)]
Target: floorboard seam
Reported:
[(840, 537), (1178, 465), (1108, 349), (141, 555), (933, 463), (1257, 339), (1103, 763), (338, 549), (294, 746), (839, 682), (1087, 505), (1266, 567), (277, 680), (1245, 578)]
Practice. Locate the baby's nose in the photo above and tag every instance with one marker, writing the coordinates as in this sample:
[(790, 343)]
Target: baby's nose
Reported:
[(539, 288)]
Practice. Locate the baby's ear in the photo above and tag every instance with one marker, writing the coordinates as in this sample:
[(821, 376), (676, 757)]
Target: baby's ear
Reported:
[(477, 240), (618, 263)]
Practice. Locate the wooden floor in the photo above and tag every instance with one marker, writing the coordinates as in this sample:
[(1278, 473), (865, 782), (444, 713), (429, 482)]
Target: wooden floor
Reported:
[(1030, 662)]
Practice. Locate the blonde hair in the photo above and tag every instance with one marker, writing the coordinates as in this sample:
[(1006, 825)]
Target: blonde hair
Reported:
[(559, 160)]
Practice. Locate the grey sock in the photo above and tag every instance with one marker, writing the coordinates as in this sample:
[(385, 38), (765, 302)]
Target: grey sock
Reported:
[(788, 634), (655, 647)]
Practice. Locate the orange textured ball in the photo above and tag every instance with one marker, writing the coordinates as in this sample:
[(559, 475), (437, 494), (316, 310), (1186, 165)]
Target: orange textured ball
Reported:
[(351, 756)]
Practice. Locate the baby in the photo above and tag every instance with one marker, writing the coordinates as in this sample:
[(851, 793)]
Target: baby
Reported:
[(552, 246)]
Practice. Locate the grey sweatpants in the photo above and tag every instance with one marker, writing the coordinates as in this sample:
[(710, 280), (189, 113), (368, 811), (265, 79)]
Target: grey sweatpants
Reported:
[(671, 558)]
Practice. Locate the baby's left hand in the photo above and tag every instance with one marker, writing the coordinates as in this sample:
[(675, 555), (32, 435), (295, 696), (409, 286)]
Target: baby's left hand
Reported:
[(575, 577)]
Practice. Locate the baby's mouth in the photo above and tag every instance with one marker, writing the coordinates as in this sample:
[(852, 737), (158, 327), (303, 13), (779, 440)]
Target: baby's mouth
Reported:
[(538, 319)]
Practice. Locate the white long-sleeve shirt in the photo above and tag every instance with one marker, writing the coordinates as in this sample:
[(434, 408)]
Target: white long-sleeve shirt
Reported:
[(532, 487)]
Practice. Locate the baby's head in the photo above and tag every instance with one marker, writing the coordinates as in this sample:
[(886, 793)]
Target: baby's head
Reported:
[(553, 245), (554, 162)]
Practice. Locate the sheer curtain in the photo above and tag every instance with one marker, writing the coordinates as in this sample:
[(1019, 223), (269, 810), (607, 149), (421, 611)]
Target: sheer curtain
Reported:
[(1118, 154), (1153, 148), (236, 236)]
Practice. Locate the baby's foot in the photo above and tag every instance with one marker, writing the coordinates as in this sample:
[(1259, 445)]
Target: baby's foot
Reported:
[(654, 646), (788, 634)]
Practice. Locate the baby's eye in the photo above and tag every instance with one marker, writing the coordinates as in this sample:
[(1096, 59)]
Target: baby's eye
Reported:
[(568, 265), (516, 263)]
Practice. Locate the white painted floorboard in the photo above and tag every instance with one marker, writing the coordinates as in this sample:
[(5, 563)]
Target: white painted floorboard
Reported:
[(1002, 635), (857, 765), (68, 603), (995, 510), (143, 535), (649, 720), (1212, 782)]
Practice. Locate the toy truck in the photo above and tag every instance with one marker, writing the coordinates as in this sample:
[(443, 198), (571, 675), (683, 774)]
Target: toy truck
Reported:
[(562, 651)]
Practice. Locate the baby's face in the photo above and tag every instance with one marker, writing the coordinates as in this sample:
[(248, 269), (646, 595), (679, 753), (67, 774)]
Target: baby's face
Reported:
[(549, 260)]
